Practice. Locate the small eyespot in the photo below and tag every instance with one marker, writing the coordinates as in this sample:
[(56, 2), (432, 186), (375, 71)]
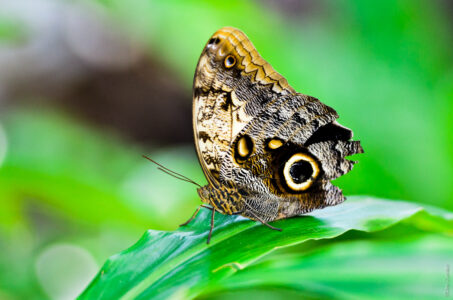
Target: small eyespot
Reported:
[(300, 171), (274, 144), (230, 61)]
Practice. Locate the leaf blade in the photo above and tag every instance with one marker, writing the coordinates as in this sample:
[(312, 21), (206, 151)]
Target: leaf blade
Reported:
[(163, 263), (391, 269)]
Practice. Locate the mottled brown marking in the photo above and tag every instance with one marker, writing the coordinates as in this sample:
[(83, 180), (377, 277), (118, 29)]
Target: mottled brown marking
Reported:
[(238, 98)]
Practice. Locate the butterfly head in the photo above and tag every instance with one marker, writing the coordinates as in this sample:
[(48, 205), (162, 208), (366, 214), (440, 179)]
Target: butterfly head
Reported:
[(205, 194)]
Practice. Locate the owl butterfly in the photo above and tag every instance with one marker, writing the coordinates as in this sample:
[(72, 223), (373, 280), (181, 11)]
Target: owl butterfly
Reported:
[(267, 151)]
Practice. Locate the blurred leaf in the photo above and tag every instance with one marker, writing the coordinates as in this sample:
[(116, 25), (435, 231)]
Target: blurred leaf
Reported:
[(51, 158), (61, 181), (162, 264), (11, 31), (91, 177), (407, 269), (176, 31)]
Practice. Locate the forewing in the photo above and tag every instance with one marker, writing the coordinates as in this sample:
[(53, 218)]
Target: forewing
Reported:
[(232, 85)]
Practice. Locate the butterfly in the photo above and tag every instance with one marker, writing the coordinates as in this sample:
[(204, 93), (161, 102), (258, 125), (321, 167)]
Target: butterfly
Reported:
[(267, 151)]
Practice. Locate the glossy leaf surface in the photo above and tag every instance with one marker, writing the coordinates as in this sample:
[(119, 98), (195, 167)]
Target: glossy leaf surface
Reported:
[(162, 264)]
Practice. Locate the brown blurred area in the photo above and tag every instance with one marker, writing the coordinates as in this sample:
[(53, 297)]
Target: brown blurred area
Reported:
[(78, 61)]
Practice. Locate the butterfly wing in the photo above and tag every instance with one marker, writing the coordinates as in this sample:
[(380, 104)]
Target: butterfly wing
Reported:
[(280, 149)]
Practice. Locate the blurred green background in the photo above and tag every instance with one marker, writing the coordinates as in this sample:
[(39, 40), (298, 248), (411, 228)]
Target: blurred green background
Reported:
[(86, 88)]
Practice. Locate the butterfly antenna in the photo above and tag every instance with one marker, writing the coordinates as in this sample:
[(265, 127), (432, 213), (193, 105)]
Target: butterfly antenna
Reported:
[(171, 172), (178, 177)]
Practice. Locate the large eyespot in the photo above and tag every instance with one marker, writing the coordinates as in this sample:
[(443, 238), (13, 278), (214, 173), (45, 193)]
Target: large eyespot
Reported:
[(300, 171), (229, 61)]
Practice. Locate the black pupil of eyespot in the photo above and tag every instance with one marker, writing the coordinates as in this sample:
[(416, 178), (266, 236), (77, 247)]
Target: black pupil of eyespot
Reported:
[(301, 171), (213, 41), (230, 61)]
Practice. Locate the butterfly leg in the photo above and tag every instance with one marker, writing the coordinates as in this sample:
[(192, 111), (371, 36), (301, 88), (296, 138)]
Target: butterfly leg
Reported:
[(262, 221), (212, 225), (194, 215)]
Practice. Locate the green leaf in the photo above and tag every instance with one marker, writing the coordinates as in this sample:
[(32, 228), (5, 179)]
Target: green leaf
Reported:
[(11, 31), (87, 176), (408, 269), (179, 263)]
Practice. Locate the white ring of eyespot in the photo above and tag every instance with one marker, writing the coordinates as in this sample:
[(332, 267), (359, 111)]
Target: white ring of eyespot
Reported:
[(289, 180)]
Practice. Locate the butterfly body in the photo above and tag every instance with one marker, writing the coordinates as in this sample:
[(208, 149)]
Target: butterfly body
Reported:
[(267, 152)]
